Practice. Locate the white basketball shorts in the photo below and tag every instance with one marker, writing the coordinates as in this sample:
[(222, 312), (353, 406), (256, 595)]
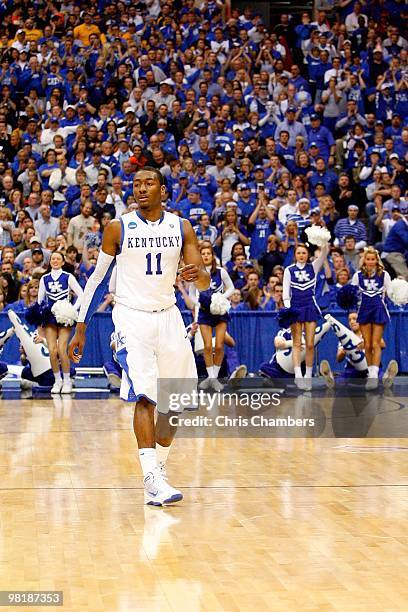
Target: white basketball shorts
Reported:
[(151, 346)]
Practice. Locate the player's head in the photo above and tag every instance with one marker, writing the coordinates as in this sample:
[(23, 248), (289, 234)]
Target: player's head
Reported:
[(301, 253), (57, 260), (148, 188), (371, 261), (208, 256), (352, 321)]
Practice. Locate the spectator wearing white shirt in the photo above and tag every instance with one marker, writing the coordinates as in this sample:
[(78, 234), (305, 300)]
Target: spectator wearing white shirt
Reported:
[(220, 170), (95, 167), (352, 19), (61, 178), (290, 208), (45, 225), (47, 135)]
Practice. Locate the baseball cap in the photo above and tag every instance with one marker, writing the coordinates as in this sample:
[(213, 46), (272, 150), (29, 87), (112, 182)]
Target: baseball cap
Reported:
[(291, 109), (161, 131), (35, 239), (314, 116), (313, 144), (202, 124), (129, 109), (243, 186), (315, 211), (394, 156), (352, 207), (259, 167), (395, 208), (183, 175), (220, 156), (200, 162), (36, 250), (167, 82), (386, 86), (194, 189), (303, 200)]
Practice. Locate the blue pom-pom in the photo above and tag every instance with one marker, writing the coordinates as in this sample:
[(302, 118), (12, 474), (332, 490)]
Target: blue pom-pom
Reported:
[(33, 316), (39, 314), (287, 316), (347, 297)]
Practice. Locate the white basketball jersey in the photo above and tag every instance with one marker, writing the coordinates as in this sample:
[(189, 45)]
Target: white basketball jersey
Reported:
[(146, 266)]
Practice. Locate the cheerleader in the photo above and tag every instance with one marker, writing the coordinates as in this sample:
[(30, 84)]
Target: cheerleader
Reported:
[(221, 284), (54, 287), (373, 282), (299, 287)]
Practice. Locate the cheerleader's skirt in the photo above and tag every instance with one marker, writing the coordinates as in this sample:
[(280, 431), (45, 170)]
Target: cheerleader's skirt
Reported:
[(376, 314)]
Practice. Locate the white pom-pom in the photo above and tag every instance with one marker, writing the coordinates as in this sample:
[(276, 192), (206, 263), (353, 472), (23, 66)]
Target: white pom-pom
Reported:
[(219, 304), (65, 313), (317, 235), (398, 291)]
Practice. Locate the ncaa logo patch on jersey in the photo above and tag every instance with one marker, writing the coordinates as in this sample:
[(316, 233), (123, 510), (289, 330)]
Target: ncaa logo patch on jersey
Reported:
[(132, 225)]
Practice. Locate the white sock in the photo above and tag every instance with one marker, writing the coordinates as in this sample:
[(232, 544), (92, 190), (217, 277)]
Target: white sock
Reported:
[(309, 372), (67, 377), (148, 460), (216, 370), (370, 372), (210, 371), (57, 376), (298, 372), (374, 371), (162, 452)]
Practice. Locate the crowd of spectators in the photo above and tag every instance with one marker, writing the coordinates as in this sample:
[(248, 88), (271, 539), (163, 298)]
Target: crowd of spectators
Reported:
[(259, 130)]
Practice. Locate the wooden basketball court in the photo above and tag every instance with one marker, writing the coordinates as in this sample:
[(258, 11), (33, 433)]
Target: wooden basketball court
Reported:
[(266, 524)]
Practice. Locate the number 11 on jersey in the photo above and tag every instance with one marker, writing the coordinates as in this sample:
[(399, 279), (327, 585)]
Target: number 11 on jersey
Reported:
[(149, 264)]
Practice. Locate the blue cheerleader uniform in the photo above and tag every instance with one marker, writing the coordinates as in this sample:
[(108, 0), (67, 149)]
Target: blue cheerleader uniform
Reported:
[(303, 289), (372, 307), (205, 317), (54, 287)]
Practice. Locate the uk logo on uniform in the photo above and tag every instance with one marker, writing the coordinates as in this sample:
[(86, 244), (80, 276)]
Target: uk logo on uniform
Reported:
[(302, 276), (132, 225)]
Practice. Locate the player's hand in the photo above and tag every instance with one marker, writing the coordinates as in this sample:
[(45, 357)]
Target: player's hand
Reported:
[(189, 273), (76, 347)]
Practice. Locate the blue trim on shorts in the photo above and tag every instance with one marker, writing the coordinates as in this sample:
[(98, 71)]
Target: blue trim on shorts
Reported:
[(142, 395), (132, 397), (122, 359)]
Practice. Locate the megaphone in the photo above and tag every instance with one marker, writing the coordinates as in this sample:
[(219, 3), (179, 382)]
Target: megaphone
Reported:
[(349, 341), (37, 354)]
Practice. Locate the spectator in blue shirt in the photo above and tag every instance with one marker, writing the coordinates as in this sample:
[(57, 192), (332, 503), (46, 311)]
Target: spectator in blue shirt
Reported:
[(351, 226)]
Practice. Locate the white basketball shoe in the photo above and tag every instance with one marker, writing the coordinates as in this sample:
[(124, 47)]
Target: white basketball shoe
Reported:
[(157, 491), (57, 386)]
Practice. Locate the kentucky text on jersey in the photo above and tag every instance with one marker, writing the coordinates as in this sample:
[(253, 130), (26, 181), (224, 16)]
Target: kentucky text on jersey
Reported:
[(135, 242)]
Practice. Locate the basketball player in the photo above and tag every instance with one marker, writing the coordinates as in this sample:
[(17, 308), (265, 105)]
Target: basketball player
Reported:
[(146, 245)]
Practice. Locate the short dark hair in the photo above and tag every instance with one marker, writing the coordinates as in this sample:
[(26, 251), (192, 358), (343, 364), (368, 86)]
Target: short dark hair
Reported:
[(155, 171)]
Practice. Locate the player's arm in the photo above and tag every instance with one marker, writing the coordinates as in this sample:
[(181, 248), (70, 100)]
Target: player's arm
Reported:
[(193, 270), (95, 287)]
